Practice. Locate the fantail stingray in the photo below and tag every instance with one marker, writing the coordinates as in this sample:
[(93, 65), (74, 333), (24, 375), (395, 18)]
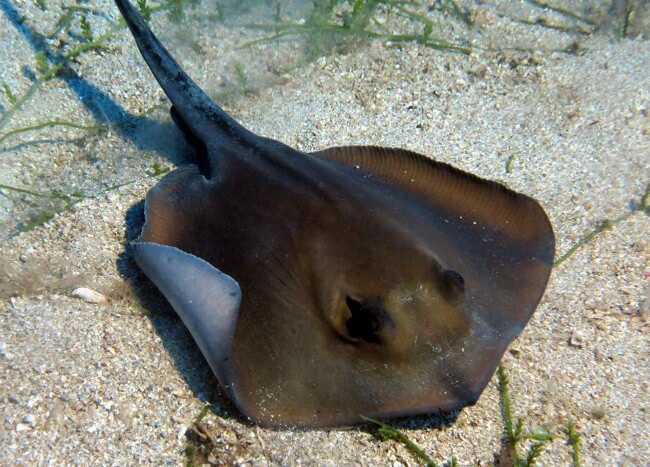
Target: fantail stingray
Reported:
[(327, 287)]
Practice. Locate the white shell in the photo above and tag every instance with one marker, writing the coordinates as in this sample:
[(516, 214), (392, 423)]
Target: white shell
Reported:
[(89, 295)]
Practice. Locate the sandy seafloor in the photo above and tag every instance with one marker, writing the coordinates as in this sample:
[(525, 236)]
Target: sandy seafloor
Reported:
[(121, 382)]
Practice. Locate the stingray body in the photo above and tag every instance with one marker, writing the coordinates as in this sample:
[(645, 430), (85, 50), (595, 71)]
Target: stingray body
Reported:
[(328, 287)]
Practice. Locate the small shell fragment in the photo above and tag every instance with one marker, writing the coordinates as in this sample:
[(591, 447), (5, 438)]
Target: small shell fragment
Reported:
[(577, 339), (89, 295)]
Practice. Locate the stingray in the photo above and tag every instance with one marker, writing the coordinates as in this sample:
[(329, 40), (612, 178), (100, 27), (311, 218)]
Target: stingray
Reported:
[(327, 287)]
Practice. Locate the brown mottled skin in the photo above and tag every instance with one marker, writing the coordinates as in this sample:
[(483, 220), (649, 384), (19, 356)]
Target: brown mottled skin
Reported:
[(374, 282)]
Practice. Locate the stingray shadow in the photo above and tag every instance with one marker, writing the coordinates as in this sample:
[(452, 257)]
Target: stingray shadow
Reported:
[(101, 106), (430, 422)]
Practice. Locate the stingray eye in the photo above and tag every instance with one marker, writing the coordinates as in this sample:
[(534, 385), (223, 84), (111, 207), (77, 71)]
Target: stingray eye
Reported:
[(369, 319), (451, 285)]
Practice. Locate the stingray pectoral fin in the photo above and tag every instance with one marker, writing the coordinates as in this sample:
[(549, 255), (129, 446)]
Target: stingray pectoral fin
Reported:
[(206, 299), (446, 188)]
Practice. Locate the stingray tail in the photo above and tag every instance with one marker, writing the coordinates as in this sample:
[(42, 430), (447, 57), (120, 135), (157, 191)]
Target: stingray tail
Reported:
[(195, 112)]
